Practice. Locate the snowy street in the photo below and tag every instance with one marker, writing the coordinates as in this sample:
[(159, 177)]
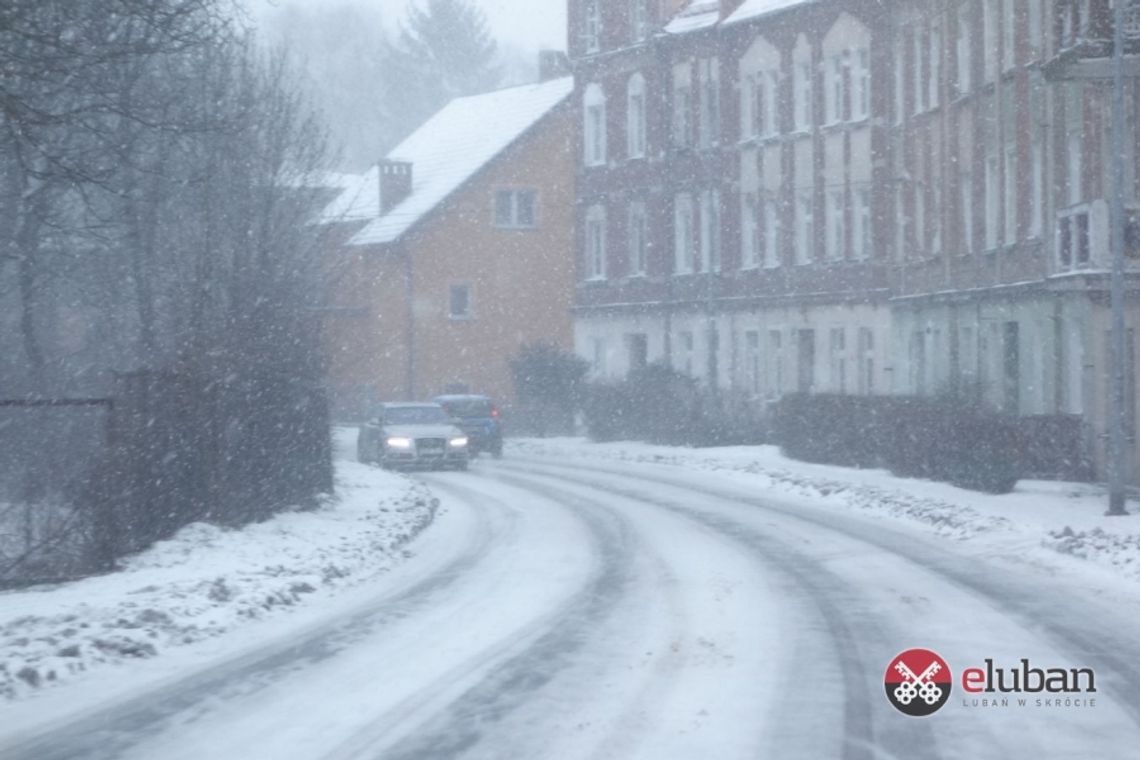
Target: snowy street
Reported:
[(594, 608)]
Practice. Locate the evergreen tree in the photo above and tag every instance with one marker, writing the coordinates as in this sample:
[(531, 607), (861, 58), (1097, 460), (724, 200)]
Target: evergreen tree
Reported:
[(444, 50)]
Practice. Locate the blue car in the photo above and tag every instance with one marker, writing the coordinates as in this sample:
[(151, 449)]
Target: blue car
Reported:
[(478, 417)]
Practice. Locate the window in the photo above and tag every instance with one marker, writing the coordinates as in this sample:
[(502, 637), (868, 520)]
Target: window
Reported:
[(639, 19), (710, 231), (596, 243), (837, 90), (861, 224), (638, 239), (599, 361), (805, 229), (990, 40), (515, 208), (1035, 31), (901, 223), (836, 226), (920, 231), (900, 80), (992, 201), (771, 233), (1073, 238), (595, 126), (752, 361), (1010, 179), (635, 117), (966, 206), (866, 360), (756, 90), (1008, 50), (709, 70), (1037, 190), (638, 345), (920, 62), (750, 237), (774, 368), (803, 95), (861, 84), (839, 359), (682, 107), (963, 49), (685, 353), (683, 234), (459, 302), (805, 364), (935, 67), (592, 28)]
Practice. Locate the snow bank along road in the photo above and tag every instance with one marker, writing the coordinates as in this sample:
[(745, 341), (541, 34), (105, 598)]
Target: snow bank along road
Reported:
[(594, 610)]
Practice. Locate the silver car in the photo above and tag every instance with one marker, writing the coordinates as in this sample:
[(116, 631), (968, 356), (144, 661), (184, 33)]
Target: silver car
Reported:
[(412, 436)]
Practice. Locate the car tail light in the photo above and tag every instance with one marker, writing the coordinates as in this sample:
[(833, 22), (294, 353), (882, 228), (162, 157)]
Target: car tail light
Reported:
[(494, 411)]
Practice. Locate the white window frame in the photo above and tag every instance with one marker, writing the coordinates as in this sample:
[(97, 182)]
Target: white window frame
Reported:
[(513, 219), (710, 223), (683, 243), (596, 243), (635, 117), (805, 228), (1010, 193), (750, 232), (592, 26), (638, 232), (639, 20), (804, 92), (836, 226), (771, 233), (861, 225), (594, 126), (964, 50), (992, 202), (861, 85), (990, 41), (468, 311)]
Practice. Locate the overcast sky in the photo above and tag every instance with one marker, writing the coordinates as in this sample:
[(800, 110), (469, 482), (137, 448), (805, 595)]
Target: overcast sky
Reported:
[(529, 24)]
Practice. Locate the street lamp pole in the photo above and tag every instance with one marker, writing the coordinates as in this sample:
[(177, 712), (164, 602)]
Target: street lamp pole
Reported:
[(1117, 440)]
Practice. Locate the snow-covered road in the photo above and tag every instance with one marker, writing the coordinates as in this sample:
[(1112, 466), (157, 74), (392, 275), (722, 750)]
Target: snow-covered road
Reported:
[(578, 609)]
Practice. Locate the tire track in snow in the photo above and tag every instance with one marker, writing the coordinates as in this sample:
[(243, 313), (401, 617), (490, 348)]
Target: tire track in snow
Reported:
[(1109, 649), (827, 592), (528, 662), (110, 732)]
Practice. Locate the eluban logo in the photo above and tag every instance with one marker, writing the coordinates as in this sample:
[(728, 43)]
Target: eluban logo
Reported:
[(917, 682), (1027, 679)]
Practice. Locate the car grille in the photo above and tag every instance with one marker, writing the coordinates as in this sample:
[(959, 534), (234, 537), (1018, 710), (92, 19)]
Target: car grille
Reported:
[(430, 444)]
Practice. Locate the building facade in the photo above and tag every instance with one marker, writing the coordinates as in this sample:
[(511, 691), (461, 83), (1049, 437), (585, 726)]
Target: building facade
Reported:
[(453, 252), (858, 197)]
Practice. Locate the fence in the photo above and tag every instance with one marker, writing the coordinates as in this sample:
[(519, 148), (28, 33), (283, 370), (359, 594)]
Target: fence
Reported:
[(165, 450)]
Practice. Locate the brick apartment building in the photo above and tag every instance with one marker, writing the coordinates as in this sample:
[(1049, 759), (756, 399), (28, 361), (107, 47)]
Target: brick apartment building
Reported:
[(454, 251), (852, 196)]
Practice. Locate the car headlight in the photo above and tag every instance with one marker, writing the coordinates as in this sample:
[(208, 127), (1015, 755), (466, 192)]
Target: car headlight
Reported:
[(458, 442), (399, 443)]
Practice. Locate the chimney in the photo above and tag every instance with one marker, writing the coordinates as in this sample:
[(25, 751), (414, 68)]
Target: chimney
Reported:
[(395, 183), (552, 64)]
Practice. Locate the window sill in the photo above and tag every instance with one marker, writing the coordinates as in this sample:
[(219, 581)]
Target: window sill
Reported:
[(460, 318), (517, 227)]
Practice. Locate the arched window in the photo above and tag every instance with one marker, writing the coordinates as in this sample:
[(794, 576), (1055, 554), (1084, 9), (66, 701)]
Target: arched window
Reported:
[(594, 128), (635, 117), (596, 243)]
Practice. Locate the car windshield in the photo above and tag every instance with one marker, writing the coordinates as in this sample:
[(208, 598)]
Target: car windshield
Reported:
[(415, 415), (468, 407)]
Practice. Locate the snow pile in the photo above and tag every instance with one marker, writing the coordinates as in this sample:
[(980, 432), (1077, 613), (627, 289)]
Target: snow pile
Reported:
[(1065, 518), (948, 519), (207, 580), (1118, 551)]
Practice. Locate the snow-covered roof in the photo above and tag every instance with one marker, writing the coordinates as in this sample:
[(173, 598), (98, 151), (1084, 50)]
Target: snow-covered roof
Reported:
[(699, 14), (750, 9), (359, 199), (449, 149)]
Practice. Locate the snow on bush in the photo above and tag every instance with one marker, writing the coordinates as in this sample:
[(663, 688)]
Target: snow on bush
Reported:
[(206, 580)]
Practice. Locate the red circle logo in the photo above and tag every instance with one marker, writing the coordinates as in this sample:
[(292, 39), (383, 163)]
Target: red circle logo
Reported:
[(917, 682)]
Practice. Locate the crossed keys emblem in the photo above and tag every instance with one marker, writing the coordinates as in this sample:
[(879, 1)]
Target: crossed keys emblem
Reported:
[(918, 686)]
